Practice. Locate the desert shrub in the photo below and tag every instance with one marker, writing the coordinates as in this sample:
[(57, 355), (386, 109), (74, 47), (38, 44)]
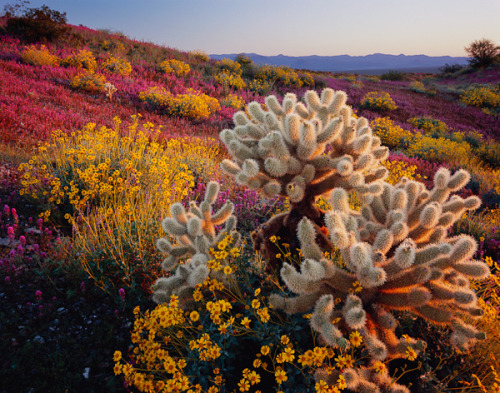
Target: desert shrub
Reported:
[(155, 97), (233, 101), (378, 101), (417, 87), (112, 46), (441, 150), (38, 24), (372, 78), (39, 56), (112, 185), (193, 105), (175, 67), (88, 81), (489, 153), (393, 76), (230, 66), (230, 81), (432, 127), (83, 59), (306, 79), (261, 87), (230, 338), (392, 135), (482, 97), (450, 68), (284, 76), (357, 84), (200, 55), (118, 66)]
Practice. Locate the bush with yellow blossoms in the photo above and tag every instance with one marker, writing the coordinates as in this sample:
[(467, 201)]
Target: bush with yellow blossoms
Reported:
[(193, 105), (392, 135), (432, 127), (233, 101), (487, 97), (228, 339), (378, 101), (88, 81), (229, 66), (39, 56), (83, 59), (175, 67), (113, 185), (228, 80), (118, 65)]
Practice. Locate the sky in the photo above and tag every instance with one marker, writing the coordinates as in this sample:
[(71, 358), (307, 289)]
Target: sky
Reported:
[(293, 27)]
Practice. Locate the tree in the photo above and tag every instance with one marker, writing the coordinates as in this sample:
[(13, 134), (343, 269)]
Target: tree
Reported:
[(35, 24), (482, 52)]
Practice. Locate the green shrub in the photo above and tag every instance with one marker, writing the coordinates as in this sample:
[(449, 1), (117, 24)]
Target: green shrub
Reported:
[(393, 76)]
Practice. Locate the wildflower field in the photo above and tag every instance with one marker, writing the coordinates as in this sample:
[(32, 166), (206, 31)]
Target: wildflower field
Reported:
[(147, 243)]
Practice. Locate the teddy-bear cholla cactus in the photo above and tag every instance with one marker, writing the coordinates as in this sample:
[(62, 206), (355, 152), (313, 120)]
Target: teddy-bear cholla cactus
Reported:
[(195, 234), (397, 250), (302, 152)]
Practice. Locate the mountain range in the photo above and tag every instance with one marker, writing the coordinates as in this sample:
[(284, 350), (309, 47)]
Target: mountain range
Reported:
[(376, 63)]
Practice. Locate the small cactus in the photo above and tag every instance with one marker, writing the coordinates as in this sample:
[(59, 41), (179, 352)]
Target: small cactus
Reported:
[(195, 235)]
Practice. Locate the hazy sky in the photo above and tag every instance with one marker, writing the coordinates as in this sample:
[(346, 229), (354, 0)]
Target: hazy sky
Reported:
[(294, 27)]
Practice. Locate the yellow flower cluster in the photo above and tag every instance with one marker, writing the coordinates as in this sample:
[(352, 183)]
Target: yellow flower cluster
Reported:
[(83, 59), (193, 105), (392, 135), (88, 81), (115, 181), (283, 75), (441, 149), (176, 67), (155, 96), (378, 101), (260, 86), (118, 66), (230, 66), (230, 80), (417, 86), (429, 125), (155, 357), (207, 349), (482, 96), (399, 169), (39, 56), (233, 101), (116, 46)]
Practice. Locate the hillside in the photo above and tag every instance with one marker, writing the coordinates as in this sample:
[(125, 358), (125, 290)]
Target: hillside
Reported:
[(101, 134)]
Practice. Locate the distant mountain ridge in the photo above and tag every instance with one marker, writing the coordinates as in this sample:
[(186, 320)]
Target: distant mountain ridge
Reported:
[(374, 63)]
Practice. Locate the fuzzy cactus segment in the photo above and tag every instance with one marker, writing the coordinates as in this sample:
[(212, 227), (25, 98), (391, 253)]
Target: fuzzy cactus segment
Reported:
[(395, 255), (195, 235), (301, 152)]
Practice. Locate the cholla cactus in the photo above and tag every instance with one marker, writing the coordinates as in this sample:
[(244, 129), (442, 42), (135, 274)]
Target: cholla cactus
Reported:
[(195, 235), (396, 255), (302, 152)]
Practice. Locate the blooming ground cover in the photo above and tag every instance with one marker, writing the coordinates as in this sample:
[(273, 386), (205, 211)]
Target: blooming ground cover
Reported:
[(88, 175)]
